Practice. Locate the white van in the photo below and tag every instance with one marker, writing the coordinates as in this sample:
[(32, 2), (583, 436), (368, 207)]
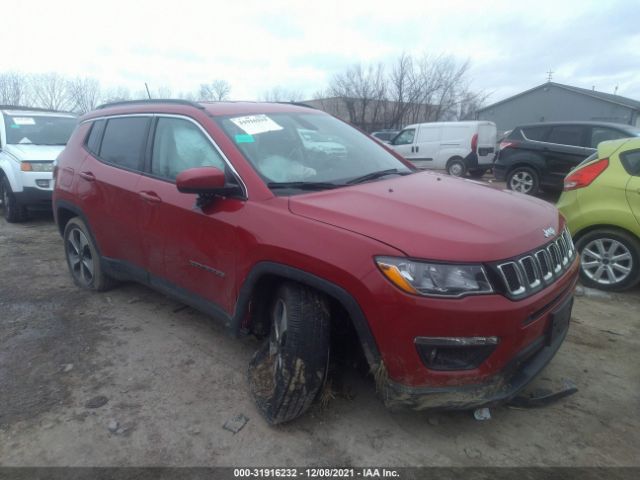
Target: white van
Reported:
[(457, 147)]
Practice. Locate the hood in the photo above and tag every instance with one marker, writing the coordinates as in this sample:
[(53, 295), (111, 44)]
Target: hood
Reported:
[(433, 216), (25, 151)]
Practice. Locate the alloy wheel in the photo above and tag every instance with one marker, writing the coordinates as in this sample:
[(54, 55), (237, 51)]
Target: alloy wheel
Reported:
[(521, 182), (606, 261), (80, 257)]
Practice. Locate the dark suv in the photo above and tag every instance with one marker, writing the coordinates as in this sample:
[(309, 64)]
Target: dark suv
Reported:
[(225, 207), (539, 156)]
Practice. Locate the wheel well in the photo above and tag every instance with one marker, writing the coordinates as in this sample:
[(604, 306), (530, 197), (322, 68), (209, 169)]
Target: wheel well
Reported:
[(592, 228), (345, 342), (64, 215), (523, 164), (455, 157)]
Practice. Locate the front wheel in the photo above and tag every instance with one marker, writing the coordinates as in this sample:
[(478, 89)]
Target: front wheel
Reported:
[(523, 180), (287, 372), (13, 211), (609, 260)]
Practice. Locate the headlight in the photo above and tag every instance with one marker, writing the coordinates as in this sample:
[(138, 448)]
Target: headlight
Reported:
[(36, 166), (434, 279)]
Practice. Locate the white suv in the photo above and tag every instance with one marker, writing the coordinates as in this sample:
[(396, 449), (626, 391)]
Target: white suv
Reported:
[(30, 141)]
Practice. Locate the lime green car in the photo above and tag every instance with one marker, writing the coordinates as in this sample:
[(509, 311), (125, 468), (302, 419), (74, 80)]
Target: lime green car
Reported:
[(601, 202)]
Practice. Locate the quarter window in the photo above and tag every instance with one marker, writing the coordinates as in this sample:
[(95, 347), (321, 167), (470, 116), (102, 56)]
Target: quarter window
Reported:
[(179, 145), (124, 141), (93, 141), (631, 162)]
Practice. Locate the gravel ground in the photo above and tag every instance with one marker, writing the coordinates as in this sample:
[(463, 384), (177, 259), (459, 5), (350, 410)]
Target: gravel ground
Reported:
[(130, 377)]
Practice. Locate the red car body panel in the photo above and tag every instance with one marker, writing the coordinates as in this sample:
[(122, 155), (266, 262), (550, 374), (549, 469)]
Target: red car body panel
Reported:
[(334, 235)]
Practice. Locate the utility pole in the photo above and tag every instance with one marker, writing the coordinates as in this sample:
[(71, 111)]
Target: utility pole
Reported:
[(549, 75)]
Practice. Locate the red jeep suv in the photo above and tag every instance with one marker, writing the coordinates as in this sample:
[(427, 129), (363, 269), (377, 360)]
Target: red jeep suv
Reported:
[(459, 294)]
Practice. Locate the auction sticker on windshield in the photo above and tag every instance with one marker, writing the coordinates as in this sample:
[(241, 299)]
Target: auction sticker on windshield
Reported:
[(254, 124)]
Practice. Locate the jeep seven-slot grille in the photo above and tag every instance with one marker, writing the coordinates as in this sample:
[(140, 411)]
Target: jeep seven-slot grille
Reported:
[(535, 270)]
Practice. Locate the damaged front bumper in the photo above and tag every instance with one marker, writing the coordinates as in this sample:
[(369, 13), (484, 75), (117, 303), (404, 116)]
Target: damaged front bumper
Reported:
[(502, 387)]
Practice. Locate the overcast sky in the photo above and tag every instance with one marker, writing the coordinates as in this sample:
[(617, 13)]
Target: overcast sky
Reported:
[(257, 45)]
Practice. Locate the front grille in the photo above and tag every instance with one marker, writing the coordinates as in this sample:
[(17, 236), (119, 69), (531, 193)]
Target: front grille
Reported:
[(535, 270)]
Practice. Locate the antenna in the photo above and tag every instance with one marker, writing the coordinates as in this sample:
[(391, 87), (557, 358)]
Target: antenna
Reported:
[(549, 75), (615, 90), (147, 87)]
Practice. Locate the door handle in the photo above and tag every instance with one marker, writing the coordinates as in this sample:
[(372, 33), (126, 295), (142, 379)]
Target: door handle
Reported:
[(88, 176), (412, 149), (417, 149), (151, 197)]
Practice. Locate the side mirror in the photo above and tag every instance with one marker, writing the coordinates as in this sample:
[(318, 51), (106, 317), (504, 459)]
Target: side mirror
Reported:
[(201, 180)]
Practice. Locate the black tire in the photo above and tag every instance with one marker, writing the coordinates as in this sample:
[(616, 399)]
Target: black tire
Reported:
[(83, 258), (456, 167), (476, 173), (618, 251), (524, 180), (13, 211), (288, 371)]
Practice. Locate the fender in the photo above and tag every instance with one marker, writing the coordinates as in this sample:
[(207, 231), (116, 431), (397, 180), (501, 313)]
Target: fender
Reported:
[(352, 307)]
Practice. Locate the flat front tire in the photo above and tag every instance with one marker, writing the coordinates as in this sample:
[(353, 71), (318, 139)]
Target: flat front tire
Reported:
[(13, 211), (288, 371), (609, 259), (83, 259)]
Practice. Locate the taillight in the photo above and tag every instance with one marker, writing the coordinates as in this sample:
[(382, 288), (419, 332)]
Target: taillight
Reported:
[(474, 143), (506, 144), (586, 175)]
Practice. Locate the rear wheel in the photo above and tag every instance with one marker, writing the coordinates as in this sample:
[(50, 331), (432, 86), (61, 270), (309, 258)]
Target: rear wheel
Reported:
[(456, 167), (13, 211), (287, 372), (609, 260), (83, 259), (523, 180)]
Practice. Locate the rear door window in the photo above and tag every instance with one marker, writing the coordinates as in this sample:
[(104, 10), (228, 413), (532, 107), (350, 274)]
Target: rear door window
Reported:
[(538, 133), (567, 135), (602, 134), (95, 135), (124, 141)]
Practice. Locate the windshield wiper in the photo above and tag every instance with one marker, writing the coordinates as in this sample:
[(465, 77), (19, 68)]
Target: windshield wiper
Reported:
[(304, 185), (374, 175)]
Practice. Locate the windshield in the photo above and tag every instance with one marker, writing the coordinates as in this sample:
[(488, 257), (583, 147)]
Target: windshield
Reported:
[(31, 128), (288, 147)]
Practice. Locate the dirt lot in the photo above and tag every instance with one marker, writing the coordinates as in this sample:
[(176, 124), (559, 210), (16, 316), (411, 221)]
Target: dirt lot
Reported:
[(168, 378)]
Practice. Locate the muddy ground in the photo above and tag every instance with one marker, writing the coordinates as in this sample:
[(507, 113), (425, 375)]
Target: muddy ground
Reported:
[(130, 377)]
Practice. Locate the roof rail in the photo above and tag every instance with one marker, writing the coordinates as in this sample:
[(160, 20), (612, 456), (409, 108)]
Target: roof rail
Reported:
[(151, 101), (298, 104), (35, 109)]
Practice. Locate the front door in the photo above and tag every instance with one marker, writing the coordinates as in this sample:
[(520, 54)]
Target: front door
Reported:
[(404, 143), (189, 249)]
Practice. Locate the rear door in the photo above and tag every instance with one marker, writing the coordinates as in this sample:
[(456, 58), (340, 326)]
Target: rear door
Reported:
[(487, 139), (107, 185), (631, 162), (565, 148), (189, 250)]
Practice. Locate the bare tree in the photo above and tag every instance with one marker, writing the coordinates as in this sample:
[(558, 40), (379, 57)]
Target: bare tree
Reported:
[(281, 94), (13, 89), (117, 94), (84, 94), (216, 91), (51, 90)]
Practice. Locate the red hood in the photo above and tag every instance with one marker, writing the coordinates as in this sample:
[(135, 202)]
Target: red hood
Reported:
[(433, 216)]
